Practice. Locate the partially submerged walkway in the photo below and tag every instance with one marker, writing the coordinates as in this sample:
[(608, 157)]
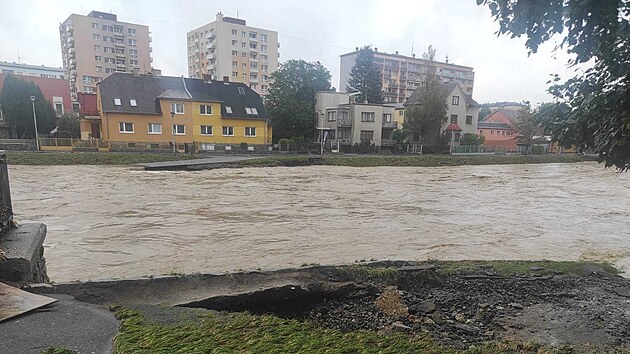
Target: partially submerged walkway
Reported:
[(194, 163)]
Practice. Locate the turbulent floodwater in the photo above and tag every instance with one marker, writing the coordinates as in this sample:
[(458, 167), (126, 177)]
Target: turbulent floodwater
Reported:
[(113, 222)]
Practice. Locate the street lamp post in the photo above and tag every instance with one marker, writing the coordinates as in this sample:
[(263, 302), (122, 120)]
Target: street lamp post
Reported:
[(173, 129), (35, 120)]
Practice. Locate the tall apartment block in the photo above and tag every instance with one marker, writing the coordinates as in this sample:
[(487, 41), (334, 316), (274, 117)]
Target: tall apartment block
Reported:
[(97, 45), (228, 47), (401, 74)]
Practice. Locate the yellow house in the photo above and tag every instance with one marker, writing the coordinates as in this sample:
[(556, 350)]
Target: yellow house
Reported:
[(157, 110)]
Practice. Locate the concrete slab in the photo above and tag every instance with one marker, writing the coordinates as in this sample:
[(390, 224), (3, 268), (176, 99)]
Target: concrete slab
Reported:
[(23, 249), (14, 301), (185, 164), (67, 323)]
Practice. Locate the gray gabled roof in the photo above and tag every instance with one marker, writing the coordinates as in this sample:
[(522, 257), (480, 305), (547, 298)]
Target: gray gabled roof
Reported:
[(147, 90)]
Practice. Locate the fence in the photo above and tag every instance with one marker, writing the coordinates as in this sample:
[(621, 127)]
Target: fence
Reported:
[(18, 144)]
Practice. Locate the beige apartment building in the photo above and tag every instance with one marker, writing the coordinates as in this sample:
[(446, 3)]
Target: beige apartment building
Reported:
[(97, 45), (228, 47), (401, 74)]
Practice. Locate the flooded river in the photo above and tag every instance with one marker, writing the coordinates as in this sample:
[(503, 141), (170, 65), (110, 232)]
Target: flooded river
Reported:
[(114, 222)]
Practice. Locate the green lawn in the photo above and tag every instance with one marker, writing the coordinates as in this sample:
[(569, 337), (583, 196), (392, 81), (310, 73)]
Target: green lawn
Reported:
[(87, 158)]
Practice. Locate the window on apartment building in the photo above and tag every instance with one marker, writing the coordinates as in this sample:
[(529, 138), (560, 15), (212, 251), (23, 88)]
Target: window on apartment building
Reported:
[(179, 129), (252, 56), (120, 61), (133, 53), (108, 28), (234, 53), (96, 36), (131, 31), (243, 55), (133, 42), (253, 86), (401, 112), (133, 62), (253, 46), (265, 78), (263, 56), (367, 135), (117, 102), (155, 128), (108, 39), (253, 76), (178, 108), (205, 109), (263, 87), (235, 32), (234, 42), (243, 44), (109, 70), (263, 47), (343, 115), (387, 117), (331, 115), (118, 29), (469, 119), (125, 127), (244, 34), (228, 109), (253, 35), (119, 40), (454, 118), (457, 136), (241, 91), (133, 103), (108, 49), (59, 108), (89, 89), (228, 131), (234, 74), (367, 116), (99, 69), (455, 100), (95, 25), (492, 132), (206, 130), (263, 37), (251, 111), (244, 76), (250, 131), (234, 63), (97, 48), (109, 60)]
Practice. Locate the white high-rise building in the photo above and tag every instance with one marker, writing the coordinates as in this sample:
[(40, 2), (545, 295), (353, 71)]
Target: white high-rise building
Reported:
[(228, 47)]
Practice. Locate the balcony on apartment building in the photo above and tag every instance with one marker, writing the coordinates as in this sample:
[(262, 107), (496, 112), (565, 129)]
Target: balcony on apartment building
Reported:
[(120, 55), (390, 125), (344, 122)]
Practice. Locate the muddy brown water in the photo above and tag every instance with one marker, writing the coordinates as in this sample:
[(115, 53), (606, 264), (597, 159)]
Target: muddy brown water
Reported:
[(115, 222)]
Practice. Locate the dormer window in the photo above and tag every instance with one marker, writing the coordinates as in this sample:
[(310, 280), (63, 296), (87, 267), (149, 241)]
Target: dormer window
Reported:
[(241, 91), (133, 103), (117, 102), (228, 109)]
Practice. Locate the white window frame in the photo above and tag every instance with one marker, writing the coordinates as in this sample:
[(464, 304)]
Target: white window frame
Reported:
[(122, 128), (250, 135), (228, 109), (331, 116), (133, 103), (175, 105), (175, 129), (223, 131), (206, 130), (153, 131), (207, 106), (117, 102), (368, 115)]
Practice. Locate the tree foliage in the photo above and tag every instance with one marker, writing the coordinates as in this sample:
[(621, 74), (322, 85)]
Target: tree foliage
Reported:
[(17, 108), (68, 126), (528, 129), (291, 100), (472, 139), (595, 31), (365, 77), (425, 117)]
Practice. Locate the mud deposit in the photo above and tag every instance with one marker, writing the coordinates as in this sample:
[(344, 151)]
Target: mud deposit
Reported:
[(588, 312)]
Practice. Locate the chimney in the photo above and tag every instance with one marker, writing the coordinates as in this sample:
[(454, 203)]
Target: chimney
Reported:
[(356, 48), (376, 49), (446, 61), (226, 80), (396, 52), (219, 17), (207, 77), (413, 55)]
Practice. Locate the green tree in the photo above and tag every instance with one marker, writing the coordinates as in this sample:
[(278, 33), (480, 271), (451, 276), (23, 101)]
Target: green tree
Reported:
[(68, 126), (472, 139), (17, 108), (291, 100), (551, 116), (365, 77), (595, 31), (528, 129), (484, 112), (427, 110)]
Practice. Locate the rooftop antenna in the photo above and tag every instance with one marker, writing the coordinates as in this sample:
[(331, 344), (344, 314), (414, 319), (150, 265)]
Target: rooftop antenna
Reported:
[(446, 58), (236, 13), (411, 46), (19, 59)]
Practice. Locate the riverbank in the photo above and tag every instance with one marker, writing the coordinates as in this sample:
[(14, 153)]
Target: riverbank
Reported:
[(392, 307), (82, 158)]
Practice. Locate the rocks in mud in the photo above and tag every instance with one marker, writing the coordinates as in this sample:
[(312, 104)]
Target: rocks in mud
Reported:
[(516, 305), (400, 327), (459, 317), (422, 308), (437, 318), (391, 303)]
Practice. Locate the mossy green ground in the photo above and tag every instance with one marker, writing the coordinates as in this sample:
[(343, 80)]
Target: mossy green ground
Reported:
[(246, 333), (87, 158)]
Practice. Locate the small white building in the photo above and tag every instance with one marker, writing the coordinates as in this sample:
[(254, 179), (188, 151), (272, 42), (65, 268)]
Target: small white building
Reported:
[(348, 123)]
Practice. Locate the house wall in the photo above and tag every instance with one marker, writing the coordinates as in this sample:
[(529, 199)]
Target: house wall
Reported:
[(461, 110), (263, 131), (55, 90), (325, 101), (498, 136), (376, 126)]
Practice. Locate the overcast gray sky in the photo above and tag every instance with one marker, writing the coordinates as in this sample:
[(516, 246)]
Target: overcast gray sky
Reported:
[(309, 30)]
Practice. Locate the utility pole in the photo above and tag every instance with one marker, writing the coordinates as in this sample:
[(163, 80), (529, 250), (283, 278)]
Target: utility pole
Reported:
[(35, 120)]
